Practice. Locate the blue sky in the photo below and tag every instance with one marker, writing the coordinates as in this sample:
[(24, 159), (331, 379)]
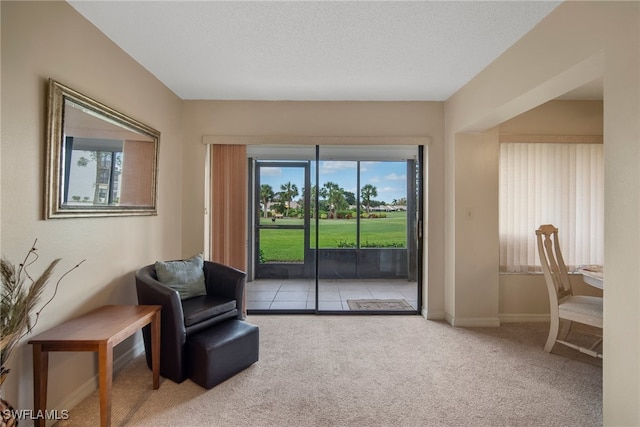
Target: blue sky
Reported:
[(389, 178)]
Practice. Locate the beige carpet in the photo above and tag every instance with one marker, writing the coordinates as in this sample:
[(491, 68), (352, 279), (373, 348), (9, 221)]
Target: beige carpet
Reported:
[(373, 371)]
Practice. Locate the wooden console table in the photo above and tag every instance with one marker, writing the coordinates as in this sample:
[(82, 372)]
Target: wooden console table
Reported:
[(99, 330)]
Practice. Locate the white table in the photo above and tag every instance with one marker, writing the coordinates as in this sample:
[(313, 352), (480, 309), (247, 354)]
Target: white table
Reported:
[(592, 276)]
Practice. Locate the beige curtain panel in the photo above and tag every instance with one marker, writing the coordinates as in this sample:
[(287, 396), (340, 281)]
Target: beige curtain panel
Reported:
[(229, 205)]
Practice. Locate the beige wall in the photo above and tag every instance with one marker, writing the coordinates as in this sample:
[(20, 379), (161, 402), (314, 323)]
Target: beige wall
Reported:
[(242, 118), (524, 297), (575, 44), (42, 40), (558, 117), (475, 300)]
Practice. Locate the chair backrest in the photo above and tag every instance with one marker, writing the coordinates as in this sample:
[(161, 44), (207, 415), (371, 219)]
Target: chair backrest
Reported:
[(555, 272)]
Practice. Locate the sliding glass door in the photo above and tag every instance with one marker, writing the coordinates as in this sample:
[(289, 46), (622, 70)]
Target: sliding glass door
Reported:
[(336, 231)]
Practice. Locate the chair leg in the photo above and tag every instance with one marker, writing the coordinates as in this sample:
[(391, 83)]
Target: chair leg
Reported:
[(564, 329), (553, 334)]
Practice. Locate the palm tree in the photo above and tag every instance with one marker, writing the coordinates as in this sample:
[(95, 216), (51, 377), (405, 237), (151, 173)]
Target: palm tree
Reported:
[(368, 192), (349, 197), (289, 191), (266, 196), (334, 195)]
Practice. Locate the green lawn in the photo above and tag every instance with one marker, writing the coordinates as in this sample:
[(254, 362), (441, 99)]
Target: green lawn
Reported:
[(288, 245)]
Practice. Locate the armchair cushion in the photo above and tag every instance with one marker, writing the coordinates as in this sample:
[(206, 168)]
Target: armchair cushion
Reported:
[(185, 276), (202, 308)]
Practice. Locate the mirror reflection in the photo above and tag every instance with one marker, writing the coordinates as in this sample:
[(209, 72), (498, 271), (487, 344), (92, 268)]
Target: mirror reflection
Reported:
[(101, 162)]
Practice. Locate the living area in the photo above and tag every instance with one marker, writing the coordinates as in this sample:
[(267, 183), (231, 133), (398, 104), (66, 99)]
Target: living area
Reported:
[(463, 293)]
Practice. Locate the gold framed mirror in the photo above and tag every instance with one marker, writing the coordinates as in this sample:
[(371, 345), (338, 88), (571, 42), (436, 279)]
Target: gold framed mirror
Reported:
[(100, 162)]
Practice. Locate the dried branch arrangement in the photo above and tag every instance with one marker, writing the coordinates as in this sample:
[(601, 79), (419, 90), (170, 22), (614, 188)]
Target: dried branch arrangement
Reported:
[(21, 295)]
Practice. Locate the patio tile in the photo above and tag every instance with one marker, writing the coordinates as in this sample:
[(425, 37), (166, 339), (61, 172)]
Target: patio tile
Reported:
[(333, 294), (264, 286), (386, 295), (329, 296), (290, 287), (353, 287), (300, 296), (410, 294), (330, 305), (345, 295), (258, 305), (328, 286), (386, 286), (261, 295), (288, 305), (267, 281)]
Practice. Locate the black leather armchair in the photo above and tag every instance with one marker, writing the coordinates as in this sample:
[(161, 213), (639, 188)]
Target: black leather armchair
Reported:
[(182, 318)]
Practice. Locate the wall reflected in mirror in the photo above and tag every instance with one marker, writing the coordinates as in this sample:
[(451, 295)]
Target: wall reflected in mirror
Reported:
[(100, 162)]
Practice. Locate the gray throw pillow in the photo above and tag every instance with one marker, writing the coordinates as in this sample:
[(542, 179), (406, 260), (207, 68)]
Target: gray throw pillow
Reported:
[(185, 276)]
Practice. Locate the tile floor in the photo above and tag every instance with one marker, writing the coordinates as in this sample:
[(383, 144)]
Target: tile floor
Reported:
[(333, 294)]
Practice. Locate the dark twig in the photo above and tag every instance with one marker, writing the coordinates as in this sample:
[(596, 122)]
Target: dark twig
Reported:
[(55, 291)]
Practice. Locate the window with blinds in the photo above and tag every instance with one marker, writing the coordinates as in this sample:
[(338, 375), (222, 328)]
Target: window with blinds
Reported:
[(551, 183)]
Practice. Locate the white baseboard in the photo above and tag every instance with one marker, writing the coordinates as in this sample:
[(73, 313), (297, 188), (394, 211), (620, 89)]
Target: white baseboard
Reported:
[(523, 318), (470, 322), (432, 315), (473, 322), (490, 321)]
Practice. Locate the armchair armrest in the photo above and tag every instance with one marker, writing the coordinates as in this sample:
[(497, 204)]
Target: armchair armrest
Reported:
[(172, 329), (226, 281)]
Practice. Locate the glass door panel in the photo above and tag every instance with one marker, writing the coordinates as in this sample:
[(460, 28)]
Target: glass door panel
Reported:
[(282, 231), (337, 225), (368, 236)]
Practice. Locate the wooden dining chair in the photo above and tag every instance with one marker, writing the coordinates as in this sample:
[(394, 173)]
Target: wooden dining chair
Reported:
[(565, 307)]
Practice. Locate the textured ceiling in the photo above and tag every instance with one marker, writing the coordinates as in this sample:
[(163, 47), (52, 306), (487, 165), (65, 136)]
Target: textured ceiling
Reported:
[(314, 50)]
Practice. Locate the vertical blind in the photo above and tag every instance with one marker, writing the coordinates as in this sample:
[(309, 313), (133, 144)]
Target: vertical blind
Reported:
[(229, 205), (551, 183)]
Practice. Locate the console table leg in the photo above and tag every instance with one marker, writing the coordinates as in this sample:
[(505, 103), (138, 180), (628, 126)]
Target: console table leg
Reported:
[(155, 349), (105, 356), (40, 376)]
